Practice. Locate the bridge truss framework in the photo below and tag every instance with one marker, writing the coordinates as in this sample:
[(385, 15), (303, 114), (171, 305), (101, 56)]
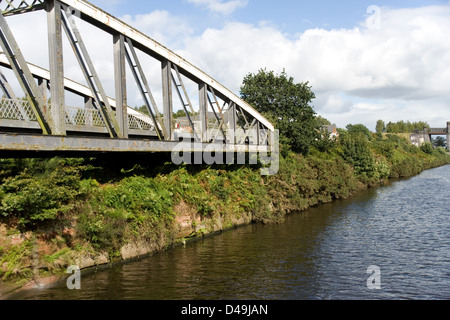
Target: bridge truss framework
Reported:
[(107, 124)]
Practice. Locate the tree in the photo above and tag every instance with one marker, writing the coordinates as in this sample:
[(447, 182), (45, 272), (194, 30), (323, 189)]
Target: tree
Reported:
[(440, 142), (381, 127), (143, 109), (405, 127), (288, 103), (321, 121), (359, 128), (356, 151)]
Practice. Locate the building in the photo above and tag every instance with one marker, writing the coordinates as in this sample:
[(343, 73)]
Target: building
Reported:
[(332, 130)]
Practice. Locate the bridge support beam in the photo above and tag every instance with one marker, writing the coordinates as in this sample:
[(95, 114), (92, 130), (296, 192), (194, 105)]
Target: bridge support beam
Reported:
[(40, 143), (121, 83), (448, 136), (166, 67), (53, 8), (203, 103)]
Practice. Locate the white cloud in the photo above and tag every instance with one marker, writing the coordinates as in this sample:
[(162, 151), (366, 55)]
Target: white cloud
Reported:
[(400, 70), (219, 6), (162, 26), (406, 60)]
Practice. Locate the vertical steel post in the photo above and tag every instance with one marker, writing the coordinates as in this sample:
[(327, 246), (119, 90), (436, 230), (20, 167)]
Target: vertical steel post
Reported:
[(203, 103), (258, 133), (55, 46), (448, 136), (233, 122), (121, 83), (167, 98)]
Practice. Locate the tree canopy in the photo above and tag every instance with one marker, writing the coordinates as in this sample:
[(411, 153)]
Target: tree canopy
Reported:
[(285, 102), (359, 128), (440, 142), (405, 127), (380, 127)]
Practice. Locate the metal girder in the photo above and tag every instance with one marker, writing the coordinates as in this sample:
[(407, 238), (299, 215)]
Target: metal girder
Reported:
[(178, 82), (144, 88), (166, 68), (23, 74), (55, 120), (55, 45), (12, 7), (110, 24), (120, 79), (219, 120), (69, 85), (15, 142), (203, 103), (90, 74)]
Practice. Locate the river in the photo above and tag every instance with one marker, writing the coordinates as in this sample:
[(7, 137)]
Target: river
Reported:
[(402, 229)]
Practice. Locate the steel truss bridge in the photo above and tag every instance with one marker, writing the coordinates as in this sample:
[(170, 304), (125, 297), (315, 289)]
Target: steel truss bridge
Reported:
[(37, 120)]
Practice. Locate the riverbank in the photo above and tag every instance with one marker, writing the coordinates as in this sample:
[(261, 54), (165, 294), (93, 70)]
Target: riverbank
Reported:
[(89, 212)]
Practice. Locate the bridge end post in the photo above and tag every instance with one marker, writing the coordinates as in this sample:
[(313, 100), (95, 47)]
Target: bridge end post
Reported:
[(448, 136)]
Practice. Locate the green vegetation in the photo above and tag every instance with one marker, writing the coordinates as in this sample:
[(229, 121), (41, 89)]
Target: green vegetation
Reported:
[(405, 127), (55, 211), (287, 104)]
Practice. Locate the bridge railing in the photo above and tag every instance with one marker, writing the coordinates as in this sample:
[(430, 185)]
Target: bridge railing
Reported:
[(438, 131), (16, 110), (21, 111)]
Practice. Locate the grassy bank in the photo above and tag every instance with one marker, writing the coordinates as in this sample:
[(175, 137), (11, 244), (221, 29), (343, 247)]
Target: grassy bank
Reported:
[(60, 212)]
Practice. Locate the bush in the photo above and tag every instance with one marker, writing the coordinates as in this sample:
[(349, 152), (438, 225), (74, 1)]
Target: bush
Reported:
[(356, 151), (427, 148), (37, 198)]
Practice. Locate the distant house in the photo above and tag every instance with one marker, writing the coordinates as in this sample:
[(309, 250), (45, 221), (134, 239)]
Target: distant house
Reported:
[(332, 130)]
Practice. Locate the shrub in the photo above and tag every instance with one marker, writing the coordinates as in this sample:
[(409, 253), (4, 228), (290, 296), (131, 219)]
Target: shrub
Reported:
[(356, 151), (427, 148), (35, 199)]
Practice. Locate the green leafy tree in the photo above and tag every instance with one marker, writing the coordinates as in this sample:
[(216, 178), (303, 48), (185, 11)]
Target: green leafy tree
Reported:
[(287, 102), (440, 142), (405, 127), (380, 127), (143, 109), (356, 151), (359, 128), (321, 121)]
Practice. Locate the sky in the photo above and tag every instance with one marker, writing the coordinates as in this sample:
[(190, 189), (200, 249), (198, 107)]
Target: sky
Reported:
[(364, 60)]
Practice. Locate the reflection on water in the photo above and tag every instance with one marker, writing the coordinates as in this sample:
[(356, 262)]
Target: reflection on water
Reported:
[(322, 253)]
